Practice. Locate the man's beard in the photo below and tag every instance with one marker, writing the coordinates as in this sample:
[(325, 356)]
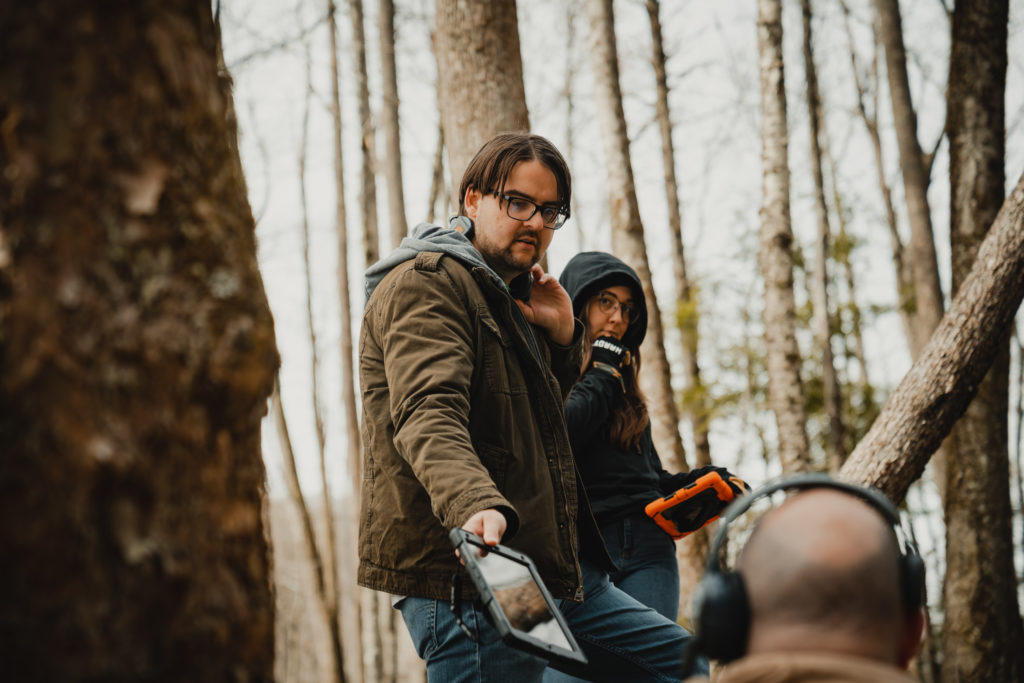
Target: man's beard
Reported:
[(506, 263)]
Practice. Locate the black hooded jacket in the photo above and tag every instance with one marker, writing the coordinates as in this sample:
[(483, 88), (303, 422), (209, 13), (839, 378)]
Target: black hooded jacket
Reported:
[(618, 482)]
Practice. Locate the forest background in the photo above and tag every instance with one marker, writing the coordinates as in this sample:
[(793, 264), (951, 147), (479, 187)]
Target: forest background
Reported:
[(190, 193), (279, 56)]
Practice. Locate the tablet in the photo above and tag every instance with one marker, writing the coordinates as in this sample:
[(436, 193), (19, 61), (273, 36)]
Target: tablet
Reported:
[(521, 608)]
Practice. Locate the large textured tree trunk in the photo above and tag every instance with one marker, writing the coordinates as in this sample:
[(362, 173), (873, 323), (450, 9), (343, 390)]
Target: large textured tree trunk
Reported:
[(348, 394), (983, 639), (392, 162), (136, 354), (480, 74), (628, 230), (936, 389), (367, 181), (785, 390)]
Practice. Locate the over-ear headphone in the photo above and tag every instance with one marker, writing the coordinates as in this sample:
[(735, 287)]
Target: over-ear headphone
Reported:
[(722, 609)]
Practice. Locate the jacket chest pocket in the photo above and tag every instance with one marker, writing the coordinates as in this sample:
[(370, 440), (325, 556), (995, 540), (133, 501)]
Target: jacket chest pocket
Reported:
[(500, 364)]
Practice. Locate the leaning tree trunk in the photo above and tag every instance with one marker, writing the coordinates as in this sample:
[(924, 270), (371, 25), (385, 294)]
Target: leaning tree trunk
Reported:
[(392, 162), (785, 390), (935, 391), (136, 354), (628, 230), (822, 320), (480, 77), (982, 637)]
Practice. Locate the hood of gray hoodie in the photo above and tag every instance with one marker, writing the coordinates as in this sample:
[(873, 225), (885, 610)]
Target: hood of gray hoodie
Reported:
[(453, 241)]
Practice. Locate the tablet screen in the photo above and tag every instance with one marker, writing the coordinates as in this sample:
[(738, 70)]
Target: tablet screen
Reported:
[(520, 606), (521, 599)]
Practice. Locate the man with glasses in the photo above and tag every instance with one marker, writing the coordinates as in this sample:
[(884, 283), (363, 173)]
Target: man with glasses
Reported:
[(467, 352)]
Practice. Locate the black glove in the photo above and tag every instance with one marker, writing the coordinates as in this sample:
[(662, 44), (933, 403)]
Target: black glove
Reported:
[(608, 350)]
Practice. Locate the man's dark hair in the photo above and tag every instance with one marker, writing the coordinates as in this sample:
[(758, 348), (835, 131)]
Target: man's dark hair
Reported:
[(490, 168)]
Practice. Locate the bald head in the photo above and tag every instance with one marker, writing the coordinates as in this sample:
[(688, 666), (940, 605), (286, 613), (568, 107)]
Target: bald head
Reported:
[(822, 573)]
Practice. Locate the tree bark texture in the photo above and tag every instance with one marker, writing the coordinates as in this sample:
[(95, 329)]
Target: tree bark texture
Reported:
[(628, 230), (822, 321), (785, 390), (392, 161), (983, 639), (686, 310), (923, 262), (136, 354), (480, 74), (367, 180), (935, 391)]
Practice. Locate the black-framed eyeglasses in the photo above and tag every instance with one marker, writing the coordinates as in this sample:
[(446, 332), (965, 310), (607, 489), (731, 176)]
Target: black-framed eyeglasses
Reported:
[(608, 303), (522, 209)]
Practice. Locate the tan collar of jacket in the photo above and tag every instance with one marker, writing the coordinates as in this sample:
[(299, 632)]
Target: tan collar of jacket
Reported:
[(807, 667)]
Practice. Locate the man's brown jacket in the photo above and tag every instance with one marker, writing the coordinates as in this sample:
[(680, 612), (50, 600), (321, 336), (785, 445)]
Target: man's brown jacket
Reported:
[(462, 411)]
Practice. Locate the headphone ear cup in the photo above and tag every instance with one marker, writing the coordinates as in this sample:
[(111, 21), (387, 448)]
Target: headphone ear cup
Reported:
[(912, 580), (723, 615)]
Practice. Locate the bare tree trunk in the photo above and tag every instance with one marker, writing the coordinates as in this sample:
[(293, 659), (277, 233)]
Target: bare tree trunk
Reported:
[(923, 262), (785, 390), (368, 183), (864, 406), (321, 569), (822, 321), (136, 354), (372, 656), (571, 11), (687, 315), (983, 638), (437, 177), (328, 574), (628, 230), (907, 306), (392, 162), (936, 389), (480, 74), (354, 449)]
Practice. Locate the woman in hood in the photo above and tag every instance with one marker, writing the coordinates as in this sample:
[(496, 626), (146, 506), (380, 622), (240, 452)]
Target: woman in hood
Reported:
[(610, 431)]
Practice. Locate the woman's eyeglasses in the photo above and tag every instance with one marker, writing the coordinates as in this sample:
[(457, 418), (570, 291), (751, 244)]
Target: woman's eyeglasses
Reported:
[(607, 303)]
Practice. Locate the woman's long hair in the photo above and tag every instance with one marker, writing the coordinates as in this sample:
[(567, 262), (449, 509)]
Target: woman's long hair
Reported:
[(628, 417)]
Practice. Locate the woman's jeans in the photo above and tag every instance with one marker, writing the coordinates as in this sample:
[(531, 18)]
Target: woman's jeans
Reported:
[(623, 639), (646, 558)]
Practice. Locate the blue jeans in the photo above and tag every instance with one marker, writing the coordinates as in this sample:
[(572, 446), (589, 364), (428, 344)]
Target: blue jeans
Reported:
[(452, 656), (623, 639), (646, 557)]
